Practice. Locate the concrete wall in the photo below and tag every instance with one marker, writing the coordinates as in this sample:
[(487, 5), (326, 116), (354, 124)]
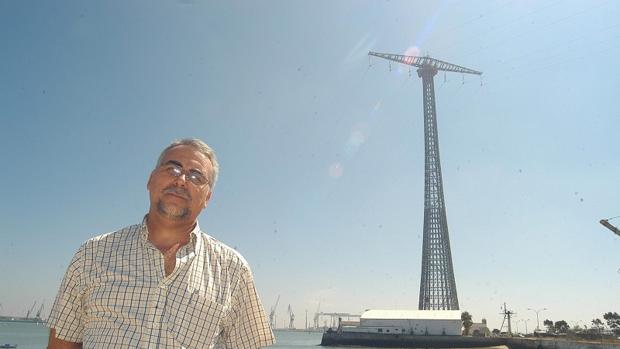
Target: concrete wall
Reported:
[(402, 341), (528, 343), (412, 326)]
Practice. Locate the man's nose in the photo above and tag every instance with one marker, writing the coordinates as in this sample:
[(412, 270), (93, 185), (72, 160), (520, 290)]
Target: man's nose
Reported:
[(181, 179)]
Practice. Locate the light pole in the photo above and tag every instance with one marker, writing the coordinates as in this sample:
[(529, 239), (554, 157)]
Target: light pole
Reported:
[(537, 320), (517, 323), (526, 320)]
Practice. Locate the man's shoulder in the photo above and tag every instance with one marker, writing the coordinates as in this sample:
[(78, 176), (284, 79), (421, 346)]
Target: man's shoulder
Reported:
[(223, 252), (120, 236)]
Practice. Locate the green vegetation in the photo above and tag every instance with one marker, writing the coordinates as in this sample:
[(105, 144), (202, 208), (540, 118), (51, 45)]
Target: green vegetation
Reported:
[(467, 322), (599, 328), (549, 324), (561, 326), (613, 322)]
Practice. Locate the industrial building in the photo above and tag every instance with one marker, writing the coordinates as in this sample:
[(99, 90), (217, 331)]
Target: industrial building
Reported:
[(411, 322)]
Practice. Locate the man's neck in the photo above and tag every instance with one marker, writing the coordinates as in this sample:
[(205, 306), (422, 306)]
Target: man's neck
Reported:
[(165, 233)]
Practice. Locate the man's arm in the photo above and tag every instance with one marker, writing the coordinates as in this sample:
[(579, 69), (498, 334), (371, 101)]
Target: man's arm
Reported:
[(66, 316), (55, 343), (248, 327)]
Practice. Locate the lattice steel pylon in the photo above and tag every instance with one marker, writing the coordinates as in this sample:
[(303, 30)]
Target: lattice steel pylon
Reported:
[(437, 284)]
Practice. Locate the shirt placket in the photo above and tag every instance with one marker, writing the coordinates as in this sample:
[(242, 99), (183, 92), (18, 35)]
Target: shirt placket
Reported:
[(158, 297), (156, 304)]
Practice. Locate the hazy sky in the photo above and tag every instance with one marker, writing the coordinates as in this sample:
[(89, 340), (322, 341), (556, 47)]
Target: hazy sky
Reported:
[(322, 154)]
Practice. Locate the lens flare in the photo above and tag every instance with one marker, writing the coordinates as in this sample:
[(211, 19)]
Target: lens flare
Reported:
[(357, 138), (335, 170), (377, 106), (412, 51)]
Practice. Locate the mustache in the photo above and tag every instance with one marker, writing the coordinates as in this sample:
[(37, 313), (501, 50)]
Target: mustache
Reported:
[(177, 191)]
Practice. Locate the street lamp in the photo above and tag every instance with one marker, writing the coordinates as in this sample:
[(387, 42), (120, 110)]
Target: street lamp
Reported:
[(526, 320), (537, 320), (517, 323)]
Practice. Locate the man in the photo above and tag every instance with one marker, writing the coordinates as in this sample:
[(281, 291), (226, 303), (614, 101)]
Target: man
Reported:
[(162, 283)]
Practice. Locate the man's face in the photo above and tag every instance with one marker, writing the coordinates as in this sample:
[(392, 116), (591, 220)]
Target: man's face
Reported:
[(179, 187)]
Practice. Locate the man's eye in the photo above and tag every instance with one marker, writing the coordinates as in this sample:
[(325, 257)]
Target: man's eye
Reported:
[(175, 171), (196, 178)]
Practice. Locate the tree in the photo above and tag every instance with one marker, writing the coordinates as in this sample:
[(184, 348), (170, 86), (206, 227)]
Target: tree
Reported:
[(613, 321), (549, 325), (561, 326), (597, 323), (466, 318)]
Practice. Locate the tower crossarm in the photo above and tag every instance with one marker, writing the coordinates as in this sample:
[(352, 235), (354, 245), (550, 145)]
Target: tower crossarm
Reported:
[(425, 62)]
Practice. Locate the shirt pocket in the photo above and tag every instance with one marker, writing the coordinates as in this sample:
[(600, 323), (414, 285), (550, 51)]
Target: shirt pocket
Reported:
[(196, 323)]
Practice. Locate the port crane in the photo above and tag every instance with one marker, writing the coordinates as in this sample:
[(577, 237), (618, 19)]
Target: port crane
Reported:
[(335, 316), (316, 316), (272, 314), (31, 309), (291, 318), (38, 316)]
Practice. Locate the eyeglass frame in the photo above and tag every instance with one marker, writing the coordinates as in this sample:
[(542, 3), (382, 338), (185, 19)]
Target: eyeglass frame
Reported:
[(175, 170)]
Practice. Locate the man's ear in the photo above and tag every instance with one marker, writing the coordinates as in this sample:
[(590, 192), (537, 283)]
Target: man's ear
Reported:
[(208, 198), (148, 183)]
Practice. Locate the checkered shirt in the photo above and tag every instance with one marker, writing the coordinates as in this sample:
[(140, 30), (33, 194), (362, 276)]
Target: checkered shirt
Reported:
[(115, 295)]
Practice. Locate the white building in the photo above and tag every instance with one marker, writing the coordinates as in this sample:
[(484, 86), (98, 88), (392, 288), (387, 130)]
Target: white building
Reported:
[(416, 322), (480, 329)]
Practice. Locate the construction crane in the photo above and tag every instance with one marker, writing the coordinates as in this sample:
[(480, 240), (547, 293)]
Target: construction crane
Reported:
[(335, 316), (38, 316), (31, 309), (272, 314), (437, 284), (606, 224), (316, 316), (291, 318)]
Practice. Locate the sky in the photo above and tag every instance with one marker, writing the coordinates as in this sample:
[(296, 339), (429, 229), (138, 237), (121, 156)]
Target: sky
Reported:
[(321, 148)]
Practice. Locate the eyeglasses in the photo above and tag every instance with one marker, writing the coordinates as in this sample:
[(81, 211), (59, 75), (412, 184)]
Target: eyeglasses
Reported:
[(193, 176)]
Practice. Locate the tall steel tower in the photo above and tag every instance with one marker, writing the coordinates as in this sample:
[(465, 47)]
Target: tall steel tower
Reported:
[(437, 285)]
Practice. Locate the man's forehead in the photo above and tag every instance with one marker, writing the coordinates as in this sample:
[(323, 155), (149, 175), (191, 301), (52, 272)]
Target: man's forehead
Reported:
[(187, 156)]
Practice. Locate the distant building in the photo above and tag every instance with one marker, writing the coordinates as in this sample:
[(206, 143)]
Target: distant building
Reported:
[(414, 322), (480, 329)]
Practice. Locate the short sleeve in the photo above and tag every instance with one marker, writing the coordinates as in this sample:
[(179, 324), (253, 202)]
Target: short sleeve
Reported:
[(67, 316), (248, 327)]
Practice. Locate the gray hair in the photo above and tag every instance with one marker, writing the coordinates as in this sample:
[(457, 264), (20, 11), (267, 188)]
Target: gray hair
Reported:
[(202, 148)]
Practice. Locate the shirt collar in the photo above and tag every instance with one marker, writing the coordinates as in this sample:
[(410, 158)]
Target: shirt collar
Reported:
[(192, 245)]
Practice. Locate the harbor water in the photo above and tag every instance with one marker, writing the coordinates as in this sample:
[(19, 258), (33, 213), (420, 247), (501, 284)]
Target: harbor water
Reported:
[(25, 335), (34, 336)]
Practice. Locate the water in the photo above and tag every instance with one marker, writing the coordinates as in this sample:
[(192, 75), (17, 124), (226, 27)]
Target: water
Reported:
[(32, 336), (297, 340), (25, 335)]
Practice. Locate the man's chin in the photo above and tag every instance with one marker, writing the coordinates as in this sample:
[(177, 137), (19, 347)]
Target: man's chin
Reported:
[(171, 212)]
